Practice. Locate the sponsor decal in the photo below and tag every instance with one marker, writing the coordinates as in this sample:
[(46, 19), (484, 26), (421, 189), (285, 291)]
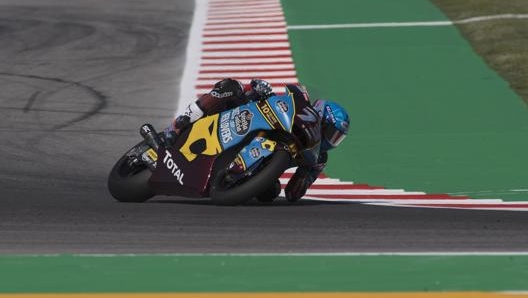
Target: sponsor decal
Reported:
[(239, 162), (193, 111), (305, 93), (331, 114), (173, 167), (254, 152), (242, 122), (268, 145), (268, 114), (225, 131), (217, 94), (146, 129), (153, 155), (203, 138), (282, 106)]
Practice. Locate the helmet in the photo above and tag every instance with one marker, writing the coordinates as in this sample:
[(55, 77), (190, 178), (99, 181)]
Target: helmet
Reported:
[(334, 123)]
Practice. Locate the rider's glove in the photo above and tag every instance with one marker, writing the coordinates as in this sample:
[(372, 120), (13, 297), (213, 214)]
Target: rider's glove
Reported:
[(262, 88), (181, 123), (297, 187), (175, 129)]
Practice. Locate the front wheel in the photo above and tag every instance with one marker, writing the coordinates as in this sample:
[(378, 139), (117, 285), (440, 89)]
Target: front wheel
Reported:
[(255, 185), (128, 183)]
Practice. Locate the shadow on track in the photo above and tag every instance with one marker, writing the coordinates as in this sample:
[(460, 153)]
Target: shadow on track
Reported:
[(281, 202)]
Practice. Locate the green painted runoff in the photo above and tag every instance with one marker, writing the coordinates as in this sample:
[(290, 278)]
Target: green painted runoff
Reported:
[(301, 12), (78, 274), (427, 114)]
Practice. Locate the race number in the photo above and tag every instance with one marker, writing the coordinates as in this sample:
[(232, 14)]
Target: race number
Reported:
[(202, 139)]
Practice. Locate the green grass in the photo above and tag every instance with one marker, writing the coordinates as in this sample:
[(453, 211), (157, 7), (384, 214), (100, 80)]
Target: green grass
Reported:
[(179, 273), (503, 44)]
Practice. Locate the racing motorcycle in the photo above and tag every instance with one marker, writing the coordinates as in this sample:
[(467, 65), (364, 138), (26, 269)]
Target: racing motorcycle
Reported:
[(231, 157)]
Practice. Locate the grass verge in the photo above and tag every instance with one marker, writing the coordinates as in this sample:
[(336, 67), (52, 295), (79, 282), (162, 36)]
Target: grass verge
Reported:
[(502, 43)]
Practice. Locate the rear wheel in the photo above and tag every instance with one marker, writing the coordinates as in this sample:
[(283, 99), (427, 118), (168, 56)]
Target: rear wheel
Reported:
[(255, 185), (128, 182)]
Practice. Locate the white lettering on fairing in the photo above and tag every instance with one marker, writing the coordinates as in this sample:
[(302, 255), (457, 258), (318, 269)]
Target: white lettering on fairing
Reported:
[(225, 131), (173, 167)]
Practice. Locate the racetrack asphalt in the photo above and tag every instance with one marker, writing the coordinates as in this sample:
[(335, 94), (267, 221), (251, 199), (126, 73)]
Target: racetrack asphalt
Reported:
[(78, 78)]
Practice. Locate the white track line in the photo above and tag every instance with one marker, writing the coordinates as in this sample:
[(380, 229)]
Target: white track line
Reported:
[(293, 254), (255, 67), (397, 192), (369, 25), (312, 254), (204, 91), (413, 202), (425, 203), (409, 24), (249, 7), (246, 60), (244, 12), (252, 54), (271, 81), (229, 20), (247, 38), (491, 18), (220, 4), (246, 16), (246, 74), (242, 25), (194, 50), (256, 45), (245, 31)]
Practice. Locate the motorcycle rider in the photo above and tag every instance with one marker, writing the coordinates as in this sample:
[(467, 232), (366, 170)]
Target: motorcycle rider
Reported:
[(334, 128), (228, 93)]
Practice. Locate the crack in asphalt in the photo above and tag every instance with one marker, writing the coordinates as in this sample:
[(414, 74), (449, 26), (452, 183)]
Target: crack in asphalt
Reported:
[(31, 101)]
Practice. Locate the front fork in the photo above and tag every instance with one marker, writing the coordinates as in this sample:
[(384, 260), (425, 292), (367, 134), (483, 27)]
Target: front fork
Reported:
[(146, 152), (142, 154)]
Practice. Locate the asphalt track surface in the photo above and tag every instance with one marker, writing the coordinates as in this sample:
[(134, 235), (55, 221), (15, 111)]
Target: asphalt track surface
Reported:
[(77, 79)]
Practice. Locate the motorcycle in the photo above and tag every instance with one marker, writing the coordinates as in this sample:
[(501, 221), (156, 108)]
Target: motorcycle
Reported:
[(231, 157)]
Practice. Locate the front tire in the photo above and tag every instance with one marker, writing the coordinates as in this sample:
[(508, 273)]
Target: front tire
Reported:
[(263, 180), (270, 194), (128, 184)]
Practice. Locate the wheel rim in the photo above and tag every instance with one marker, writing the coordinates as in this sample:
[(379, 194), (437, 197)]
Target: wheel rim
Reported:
[(126, 170)]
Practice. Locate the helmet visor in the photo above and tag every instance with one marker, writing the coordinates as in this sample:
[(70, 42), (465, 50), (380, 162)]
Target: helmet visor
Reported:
[(333, 136)]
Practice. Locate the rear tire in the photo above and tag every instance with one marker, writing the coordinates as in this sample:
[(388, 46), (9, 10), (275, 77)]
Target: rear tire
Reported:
[(263, 180), (129, 184)]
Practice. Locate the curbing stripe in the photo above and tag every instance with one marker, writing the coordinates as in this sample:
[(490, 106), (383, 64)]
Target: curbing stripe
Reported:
[(230, 44)]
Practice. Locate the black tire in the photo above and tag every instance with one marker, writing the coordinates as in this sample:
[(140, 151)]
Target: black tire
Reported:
[(129, 185), (270, 194), (263, 180)]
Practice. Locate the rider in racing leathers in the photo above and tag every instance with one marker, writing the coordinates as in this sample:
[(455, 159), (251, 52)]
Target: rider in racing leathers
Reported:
[(334, 128), (229, 93), (226, 94)]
